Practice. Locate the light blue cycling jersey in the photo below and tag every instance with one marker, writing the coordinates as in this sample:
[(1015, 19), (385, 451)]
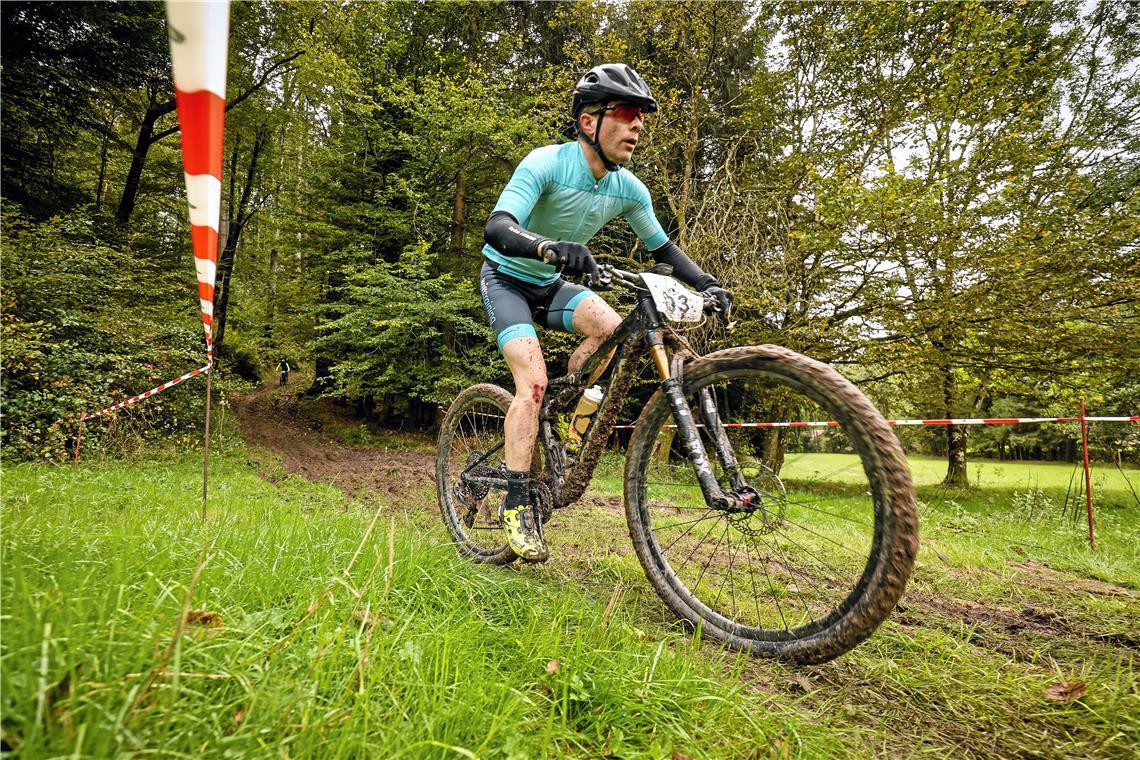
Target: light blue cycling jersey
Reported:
[(553, 193)]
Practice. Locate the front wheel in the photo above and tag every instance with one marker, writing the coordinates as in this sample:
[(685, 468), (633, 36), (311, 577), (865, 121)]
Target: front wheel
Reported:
[(821, 553)]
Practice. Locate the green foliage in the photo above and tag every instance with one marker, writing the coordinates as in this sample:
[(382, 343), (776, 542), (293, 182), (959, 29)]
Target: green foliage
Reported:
[(940, 198), (83, 329), (432, 323)]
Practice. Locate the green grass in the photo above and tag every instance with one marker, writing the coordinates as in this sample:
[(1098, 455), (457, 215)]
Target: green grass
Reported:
[(423, 656), (1006, 599), (414, 652), (1108, 482)]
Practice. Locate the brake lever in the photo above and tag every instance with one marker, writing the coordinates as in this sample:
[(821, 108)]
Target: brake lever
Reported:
[(725, 317), (603, 280)]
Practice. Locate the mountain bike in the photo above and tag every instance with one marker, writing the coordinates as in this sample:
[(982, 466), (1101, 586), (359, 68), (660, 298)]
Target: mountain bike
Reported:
[(789, 536)]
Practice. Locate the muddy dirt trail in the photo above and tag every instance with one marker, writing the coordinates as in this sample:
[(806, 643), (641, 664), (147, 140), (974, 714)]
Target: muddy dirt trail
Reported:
[(269, 418), (404, 477)]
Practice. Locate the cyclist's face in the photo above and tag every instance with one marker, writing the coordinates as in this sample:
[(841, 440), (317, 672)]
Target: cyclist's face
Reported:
[(621, 129)]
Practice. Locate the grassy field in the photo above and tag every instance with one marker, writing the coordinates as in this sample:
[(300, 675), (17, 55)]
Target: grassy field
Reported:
[(298, 622), (1057, 478)]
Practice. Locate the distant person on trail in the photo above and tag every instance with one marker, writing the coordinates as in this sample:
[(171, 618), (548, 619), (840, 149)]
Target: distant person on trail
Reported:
[(283, 368), (555, 202)]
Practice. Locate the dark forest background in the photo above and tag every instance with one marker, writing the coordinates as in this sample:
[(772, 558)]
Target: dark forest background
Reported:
[(941, 199)]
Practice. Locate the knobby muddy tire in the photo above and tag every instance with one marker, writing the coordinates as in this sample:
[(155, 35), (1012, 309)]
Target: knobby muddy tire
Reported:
[(895, 535), (487, 394)]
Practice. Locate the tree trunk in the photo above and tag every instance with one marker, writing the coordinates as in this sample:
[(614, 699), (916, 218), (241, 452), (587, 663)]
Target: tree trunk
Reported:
[(271, 297), (956, 435), (457, 217), (775, 446), (664, 445), (101, 183), (238, 217), (147, 137), (322, 375), (222, 292), (138, 160)]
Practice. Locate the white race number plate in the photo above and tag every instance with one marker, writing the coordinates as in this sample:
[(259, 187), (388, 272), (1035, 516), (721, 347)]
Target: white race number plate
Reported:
[(675, 302)]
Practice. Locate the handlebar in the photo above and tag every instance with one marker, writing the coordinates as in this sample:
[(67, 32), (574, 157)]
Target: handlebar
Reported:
[(609, 275)]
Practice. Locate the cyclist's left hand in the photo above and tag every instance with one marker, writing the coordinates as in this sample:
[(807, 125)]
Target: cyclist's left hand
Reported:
[(722, 297)]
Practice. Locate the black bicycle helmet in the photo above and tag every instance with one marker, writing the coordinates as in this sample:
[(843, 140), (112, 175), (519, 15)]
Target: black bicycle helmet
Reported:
[(610, 81)]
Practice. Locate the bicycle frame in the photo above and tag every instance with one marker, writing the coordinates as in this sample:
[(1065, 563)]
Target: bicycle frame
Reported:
[(643, 322)]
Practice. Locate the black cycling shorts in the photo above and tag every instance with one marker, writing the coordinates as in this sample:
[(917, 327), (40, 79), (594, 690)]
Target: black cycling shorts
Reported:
[(514, 306)]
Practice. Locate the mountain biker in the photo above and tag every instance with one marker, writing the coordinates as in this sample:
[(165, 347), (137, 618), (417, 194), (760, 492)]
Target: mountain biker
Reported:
[(283, 368), (557, 199)]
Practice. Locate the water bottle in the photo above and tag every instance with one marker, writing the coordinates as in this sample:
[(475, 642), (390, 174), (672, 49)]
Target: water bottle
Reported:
[(584, 412)]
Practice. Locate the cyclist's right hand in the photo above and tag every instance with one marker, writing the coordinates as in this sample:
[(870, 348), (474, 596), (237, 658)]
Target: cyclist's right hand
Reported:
[(572, 258)]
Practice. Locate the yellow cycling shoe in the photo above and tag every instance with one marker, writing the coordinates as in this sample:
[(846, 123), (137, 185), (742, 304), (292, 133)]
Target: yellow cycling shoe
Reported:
[(524, 534)]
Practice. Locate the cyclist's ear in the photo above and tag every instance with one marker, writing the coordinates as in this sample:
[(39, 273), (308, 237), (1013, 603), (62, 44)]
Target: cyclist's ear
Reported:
[(580, 129)]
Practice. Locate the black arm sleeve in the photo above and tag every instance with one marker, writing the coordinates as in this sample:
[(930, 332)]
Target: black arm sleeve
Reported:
[(683, 267), (503, 233)]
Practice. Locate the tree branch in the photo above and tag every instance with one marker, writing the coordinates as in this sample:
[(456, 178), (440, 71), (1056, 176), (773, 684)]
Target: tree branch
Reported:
[(169, 106)]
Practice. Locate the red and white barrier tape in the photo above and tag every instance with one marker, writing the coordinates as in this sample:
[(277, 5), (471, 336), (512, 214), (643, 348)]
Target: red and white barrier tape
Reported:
[(969, 421), (147, 394)]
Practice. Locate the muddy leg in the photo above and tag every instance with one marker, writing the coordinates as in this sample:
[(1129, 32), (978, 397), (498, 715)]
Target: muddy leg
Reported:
[(596, 320), (524, 357)]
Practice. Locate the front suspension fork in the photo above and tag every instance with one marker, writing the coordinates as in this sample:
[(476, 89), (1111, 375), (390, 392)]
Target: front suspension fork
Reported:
[(690, 435)]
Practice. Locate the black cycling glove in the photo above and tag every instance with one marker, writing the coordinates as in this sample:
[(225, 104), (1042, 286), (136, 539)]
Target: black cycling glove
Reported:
[(573, 258), (722, 296)]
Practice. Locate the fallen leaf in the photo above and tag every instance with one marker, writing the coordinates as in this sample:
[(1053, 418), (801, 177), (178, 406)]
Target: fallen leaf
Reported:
[(1065, 691), (681, 756), (203, 618), (553, 667), (802, 682), (239, 716)]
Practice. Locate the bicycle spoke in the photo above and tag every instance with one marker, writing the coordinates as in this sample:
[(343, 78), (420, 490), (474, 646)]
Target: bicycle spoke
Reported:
[(820, 535), (686, 522), (698, 546), (802, 548), (678, 538), (472, 444), (790, 569), (712, 555), (806, 505), (728, 574), (756, 595)]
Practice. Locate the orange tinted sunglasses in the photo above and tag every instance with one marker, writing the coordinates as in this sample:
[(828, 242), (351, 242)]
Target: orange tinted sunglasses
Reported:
[(626, 111)]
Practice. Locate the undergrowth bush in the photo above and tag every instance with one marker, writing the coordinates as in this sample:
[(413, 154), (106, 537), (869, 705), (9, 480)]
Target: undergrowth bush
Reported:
[(86, 325)]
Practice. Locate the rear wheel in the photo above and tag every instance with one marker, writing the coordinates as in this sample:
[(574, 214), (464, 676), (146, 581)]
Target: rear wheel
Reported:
[(470, 473), (821, 554)]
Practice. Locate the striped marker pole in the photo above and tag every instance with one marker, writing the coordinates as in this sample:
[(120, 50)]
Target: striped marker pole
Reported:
[(199, 47), (199, 33)]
